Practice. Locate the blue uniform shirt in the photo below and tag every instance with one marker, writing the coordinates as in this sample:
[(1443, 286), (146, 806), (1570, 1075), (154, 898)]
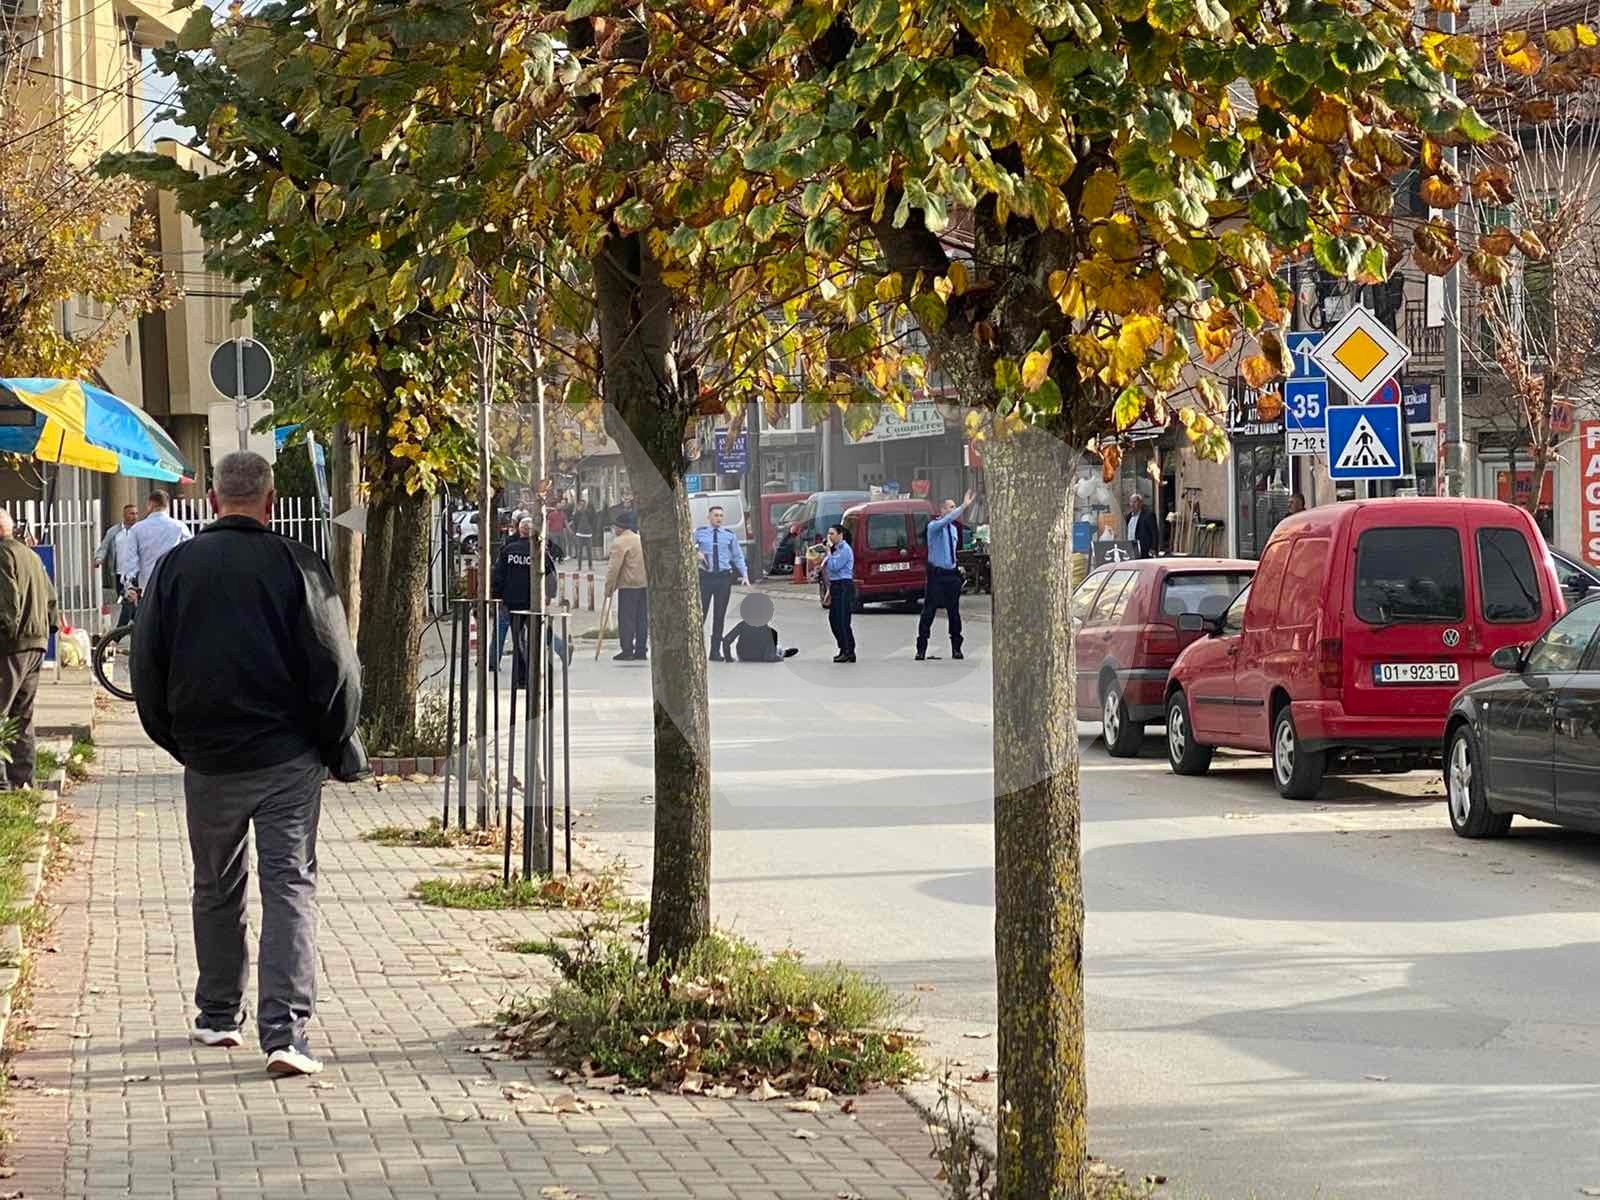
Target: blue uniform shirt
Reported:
[(944, 539), (840, 564), (720, 550)]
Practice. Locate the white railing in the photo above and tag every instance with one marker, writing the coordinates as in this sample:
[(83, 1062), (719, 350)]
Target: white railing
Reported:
[(293, 516), (74, 528)]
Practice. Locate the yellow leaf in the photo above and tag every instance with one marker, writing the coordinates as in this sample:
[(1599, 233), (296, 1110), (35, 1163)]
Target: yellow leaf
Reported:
[(1258, 371), (958, 277), (1519, 54), (1326, 124), (943, 287), (1110, 460), (1116, 238), (1068, 293), (1134, 339), (1099, 196), (1561, 41), (737, 191), (1006, 36), (890, 287), (1270, 405), (1036, 368), (1585, 35)]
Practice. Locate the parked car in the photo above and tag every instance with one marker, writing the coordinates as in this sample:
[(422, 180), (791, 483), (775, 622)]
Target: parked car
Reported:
[(774, 507), (890, 541), (733, 514), (1578, 579), (810, 522), (1363, 621), (1126, 617), (1528, 741)]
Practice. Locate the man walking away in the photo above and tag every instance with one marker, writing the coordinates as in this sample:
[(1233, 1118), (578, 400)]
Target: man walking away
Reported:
[(943, 588), (116, 548), (1142, 527), (152, 537), (625, 578), (510, 583), (244, 672), (585, 528), (721, 561), (27, 619)]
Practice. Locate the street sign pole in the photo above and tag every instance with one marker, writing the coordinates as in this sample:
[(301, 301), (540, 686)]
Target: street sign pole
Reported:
[(241, 401)]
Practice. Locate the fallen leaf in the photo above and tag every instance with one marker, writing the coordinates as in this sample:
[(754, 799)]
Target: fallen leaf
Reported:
[(923, 987), (458, 1116), (558, 1193), (847, 1196), (978, 1034), (603, 1083), (45, 1025), (722, 1091), (763, 1092), (1589, 1191), (983, 1076), (805, 1135), (693, 1084), (10, 1196), (80, 1033), (820, 1094), (849, 1106), (135, 1078), (594, 1149), (322, 1085), (7, 1172), (803, 1106), (1104, 1170), (1154, 1180), (483, 1048), (1377, 1078)]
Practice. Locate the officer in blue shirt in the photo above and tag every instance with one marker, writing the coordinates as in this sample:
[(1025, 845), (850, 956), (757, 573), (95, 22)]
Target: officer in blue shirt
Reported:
[(943, 588), (839, 570), (721, 562)]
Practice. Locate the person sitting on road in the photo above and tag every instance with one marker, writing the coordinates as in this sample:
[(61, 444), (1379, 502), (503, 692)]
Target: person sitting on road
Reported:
[(754, 637)]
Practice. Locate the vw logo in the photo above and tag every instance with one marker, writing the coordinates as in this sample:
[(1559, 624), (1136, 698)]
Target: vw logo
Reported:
[(1452, 637)]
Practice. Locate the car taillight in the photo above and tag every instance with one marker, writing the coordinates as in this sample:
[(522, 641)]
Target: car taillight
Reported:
[(1159, 639), (1330, 663)]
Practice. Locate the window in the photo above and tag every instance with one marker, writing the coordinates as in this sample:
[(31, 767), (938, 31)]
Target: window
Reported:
[(1572, 577), (1113, 601), (886, 531), (1561, 648), (1301, 596), (1082, 599), (1205, 592), (1233, 619), (1508, 581), (1410, 574), (1268, 583), (919, 522)]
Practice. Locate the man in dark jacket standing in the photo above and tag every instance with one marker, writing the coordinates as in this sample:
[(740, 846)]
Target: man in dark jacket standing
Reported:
[(244, 672), (27, 619), (511, 582)]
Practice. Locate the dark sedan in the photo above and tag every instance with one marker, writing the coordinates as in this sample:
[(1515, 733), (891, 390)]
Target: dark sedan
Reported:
[(1528, 742)]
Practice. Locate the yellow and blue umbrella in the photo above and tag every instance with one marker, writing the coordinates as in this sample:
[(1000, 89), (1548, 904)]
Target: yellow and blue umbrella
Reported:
[(78, 425)]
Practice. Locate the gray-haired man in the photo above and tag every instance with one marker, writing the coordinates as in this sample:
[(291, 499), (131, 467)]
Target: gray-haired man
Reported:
[(244, 673)]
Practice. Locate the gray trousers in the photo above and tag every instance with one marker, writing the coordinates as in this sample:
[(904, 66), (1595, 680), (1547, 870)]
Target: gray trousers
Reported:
[(283, 802), (19, 686)]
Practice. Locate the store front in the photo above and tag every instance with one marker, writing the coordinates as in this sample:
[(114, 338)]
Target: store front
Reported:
[(1260, 475)]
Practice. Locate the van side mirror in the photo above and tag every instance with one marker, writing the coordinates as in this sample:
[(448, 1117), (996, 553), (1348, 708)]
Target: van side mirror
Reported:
[(1507, 658), (1191, 622)]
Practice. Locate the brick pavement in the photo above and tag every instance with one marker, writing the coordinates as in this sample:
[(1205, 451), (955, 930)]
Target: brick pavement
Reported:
[(116, 1102)]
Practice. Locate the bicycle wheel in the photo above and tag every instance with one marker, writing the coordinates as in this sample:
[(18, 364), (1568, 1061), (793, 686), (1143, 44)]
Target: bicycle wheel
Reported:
[(112, 662)]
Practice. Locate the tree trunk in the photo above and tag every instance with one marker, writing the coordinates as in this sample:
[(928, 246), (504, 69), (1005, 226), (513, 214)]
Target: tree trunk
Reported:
[(1038, 880), (647, 415), (346, 542), (394, 580)]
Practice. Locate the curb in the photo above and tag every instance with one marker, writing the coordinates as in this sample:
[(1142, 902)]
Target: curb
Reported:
[(391, 767), (13, 953), (923, 1095)]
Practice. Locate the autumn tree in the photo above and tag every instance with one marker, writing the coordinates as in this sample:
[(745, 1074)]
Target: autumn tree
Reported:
[(65, 231), (1537, 330), (1081, 202)]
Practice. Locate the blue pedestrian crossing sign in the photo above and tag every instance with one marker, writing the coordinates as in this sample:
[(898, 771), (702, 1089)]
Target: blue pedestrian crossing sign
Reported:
[(1364, 442)]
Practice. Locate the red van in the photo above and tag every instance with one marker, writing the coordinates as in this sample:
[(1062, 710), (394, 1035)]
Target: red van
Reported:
[(890, 541), (1362, 623), (1125, 617)]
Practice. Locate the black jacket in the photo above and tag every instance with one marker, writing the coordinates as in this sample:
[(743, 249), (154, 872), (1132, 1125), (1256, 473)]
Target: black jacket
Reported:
[(509, 580), (755, 643), (241, 654)]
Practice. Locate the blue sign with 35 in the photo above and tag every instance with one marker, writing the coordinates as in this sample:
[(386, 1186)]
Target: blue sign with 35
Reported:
[(1305, 404)]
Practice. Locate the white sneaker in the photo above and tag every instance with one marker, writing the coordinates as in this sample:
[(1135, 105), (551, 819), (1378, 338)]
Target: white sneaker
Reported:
[(292, 1061), (228, 1039)]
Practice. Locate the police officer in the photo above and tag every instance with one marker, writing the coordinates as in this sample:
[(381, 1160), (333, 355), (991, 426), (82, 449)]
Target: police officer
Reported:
[(943, 588), (721, 562)]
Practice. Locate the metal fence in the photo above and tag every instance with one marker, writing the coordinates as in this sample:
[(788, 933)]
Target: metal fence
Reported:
[(293, 516), (74, 528)]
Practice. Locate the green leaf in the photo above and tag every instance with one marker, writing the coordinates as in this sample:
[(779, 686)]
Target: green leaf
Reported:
[(1474, 126), (1306, 60), (633, 215), (580, 9), (930, 311), (285, 202), (1255, 62), (815, 198), (1338, 256), (1130, 403), (719, 235), (764, 220), (1361, 56), (1173, 16), (1149, 186), (1007, 376), (1046, 398), (196, 31)]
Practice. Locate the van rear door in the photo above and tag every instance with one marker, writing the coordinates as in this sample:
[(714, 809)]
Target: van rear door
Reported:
[(1408, 622)]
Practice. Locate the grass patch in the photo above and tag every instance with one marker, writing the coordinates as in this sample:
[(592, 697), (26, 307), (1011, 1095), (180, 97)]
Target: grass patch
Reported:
[(45, 763), (598, 893), (589, 635), (725, 1016), (79, 758), (543, 947), (434, 837), (20, 834)]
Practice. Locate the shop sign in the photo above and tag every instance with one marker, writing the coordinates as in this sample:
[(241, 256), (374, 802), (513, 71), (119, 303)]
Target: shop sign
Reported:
[(1589, 465), (922, 419)]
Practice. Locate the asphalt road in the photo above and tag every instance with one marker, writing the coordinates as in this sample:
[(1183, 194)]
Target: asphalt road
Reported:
[(1337, 999)]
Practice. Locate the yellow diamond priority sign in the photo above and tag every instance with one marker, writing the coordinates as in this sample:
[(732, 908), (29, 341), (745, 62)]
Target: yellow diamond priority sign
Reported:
[(1360, 354)]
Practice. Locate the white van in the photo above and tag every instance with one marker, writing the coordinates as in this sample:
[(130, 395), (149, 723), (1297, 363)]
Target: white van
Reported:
[(733, 516)]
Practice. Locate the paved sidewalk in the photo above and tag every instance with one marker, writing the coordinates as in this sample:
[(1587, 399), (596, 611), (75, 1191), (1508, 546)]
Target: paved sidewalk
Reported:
[(111, 1099)]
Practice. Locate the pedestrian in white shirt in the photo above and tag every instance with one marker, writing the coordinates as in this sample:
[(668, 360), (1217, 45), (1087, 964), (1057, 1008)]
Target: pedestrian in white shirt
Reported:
[(151, 538), (116, 548)]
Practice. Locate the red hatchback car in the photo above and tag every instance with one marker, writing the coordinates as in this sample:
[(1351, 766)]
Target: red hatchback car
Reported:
[(1362, 623), (1128, 636)]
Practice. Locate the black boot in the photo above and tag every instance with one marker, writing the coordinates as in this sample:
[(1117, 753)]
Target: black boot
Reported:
[(955, 649), (922, 651)]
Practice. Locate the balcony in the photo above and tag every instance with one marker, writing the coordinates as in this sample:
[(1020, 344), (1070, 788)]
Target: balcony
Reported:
[(1426, 341)]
